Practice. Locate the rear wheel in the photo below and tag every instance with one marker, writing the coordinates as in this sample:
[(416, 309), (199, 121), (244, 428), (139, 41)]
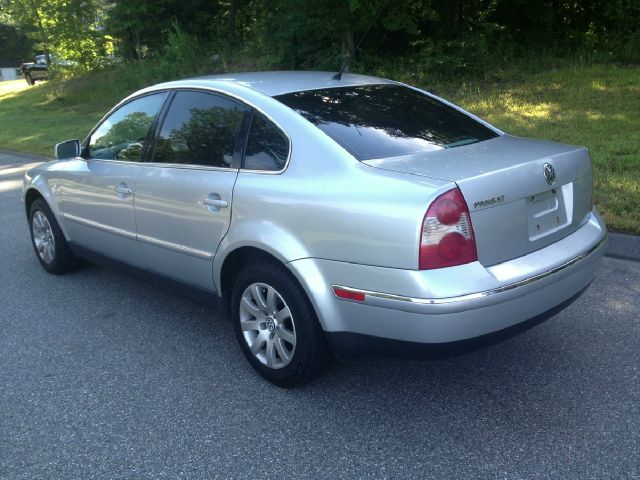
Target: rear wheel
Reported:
[(48, 240), (276, 325), (29, 79)]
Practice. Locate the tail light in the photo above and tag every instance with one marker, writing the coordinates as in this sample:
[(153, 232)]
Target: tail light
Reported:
[(447, 234)]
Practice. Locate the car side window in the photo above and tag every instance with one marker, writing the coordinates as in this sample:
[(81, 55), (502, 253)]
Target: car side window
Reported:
[(122, 136), (267, 147), (200, 129)]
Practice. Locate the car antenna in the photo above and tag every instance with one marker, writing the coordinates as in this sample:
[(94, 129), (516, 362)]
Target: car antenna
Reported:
[(338, 76)]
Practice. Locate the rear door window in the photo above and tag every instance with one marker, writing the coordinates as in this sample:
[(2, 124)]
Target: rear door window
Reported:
[(200, 129), (377, 121)]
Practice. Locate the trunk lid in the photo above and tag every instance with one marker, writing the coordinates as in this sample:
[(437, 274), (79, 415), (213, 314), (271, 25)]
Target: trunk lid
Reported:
[(514, 209)]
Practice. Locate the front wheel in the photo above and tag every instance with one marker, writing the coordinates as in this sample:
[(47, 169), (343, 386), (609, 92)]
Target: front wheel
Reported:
[(48, 240), (29, 79), (276, 325)]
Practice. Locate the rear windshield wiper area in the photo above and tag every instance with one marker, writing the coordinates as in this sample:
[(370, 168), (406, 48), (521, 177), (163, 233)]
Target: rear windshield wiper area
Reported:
[(461, 142)]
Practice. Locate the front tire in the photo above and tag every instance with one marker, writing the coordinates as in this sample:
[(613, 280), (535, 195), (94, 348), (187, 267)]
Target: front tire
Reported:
[(29, 79), (48, 241), (276, 325)]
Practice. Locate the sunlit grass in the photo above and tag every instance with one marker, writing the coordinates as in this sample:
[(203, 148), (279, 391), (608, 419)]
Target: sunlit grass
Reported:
[(12, 87), (33, 119), (597, 107)]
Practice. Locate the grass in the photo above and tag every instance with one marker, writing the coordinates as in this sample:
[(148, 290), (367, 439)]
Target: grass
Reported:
[(596, 106), (33, 119)]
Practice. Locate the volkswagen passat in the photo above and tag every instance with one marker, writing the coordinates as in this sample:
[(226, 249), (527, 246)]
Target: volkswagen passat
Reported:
[(326, 215)]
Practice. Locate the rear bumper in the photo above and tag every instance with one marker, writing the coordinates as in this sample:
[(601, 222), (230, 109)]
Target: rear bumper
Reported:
[(348, 345), (457, 303), (462, 303)]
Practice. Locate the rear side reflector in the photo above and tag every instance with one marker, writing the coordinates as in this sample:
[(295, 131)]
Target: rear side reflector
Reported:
[(447, 234), (348, 294)]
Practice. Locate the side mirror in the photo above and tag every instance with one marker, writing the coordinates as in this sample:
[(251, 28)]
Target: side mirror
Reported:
[(67, 149)]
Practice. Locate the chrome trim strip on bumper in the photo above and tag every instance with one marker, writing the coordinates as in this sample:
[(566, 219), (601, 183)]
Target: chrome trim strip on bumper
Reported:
[(142, 238), (470, 296)]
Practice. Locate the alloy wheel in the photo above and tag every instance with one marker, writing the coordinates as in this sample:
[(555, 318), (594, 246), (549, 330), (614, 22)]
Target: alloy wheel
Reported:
[(43, 237), (267, 325)]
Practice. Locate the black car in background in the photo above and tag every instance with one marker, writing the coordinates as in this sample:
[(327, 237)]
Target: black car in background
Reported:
[(38, 70)]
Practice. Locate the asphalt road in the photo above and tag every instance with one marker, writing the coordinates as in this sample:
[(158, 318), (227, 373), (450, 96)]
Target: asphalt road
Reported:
[(103, 376)]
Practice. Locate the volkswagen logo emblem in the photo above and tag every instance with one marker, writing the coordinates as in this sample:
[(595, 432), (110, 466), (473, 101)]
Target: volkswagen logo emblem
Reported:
[(549, 173)]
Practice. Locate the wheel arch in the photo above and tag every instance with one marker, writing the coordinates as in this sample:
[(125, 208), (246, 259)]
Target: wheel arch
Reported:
[(34, 190), (233, 261), (256, 238), (30, 196)]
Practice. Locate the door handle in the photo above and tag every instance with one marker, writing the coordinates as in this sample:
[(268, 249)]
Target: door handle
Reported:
[(214, 202), (123, 190)]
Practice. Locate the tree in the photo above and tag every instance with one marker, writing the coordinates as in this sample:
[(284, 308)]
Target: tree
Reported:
[(16, 46), (67, 28)]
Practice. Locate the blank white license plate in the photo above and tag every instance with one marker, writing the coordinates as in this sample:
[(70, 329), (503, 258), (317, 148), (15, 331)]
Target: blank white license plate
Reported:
[(547, 213)]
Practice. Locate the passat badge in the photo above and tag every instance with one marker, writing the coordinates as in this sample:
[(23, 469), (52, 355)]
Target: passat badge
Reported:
[(488, 201)]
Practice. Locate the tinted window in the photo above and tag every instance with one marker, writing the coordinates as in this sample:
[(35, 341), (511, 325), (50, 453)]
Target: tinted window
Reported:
[(200, 129), (376, 121), (267, 147), (123, 134)]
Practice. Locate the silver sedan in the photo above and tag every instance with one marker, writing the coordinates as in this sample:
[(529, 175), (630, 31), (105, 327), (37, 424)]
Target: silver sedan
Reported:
[(327, 216)]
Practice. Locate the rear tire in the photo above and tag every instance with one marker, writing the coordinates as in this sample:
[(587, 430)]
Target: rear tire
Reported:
[(48, 241), (276, 325)]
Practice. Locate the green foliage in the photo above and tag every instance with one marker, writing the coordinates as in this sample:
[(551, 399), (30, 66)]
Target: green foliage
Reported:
[(15, 46), (143, 27), (68, 30), (445, 37)]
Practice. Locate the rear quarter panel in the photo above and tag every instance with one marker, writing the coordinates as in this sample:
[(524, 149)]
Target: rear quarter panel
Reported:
[(328, 205)]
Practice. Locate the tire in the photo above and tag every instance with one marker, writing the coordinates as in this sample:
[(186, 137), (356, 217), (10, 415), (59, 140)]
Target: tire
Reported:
[(49, 244), (29, 79), (298, 335)]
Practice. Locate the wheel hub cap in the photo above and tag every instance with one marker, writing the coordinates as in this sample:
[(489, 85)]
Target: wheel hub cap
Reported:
[(267, 325), (271, 324)]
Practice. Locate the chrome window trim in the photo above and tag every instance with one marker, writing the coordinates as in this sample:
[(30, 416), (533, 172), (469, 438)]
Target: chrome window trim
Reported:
[(401, 299), (194, 252), (188, 166), (117, 162)]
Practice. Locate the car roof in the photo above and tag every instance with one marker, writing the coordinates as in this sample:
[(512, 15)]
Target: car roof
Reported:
[(279, 83)]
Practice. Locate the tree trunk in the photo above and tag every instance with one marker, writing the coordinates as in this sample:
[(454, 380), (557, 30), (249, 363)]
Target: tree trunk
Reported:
[(233, 12), (44, 38), (348, 45)]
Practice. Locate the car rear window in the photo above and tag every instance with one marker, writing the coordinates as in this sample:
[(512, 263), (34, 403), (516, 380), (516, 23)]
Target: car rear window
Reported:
[(377, 121)]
